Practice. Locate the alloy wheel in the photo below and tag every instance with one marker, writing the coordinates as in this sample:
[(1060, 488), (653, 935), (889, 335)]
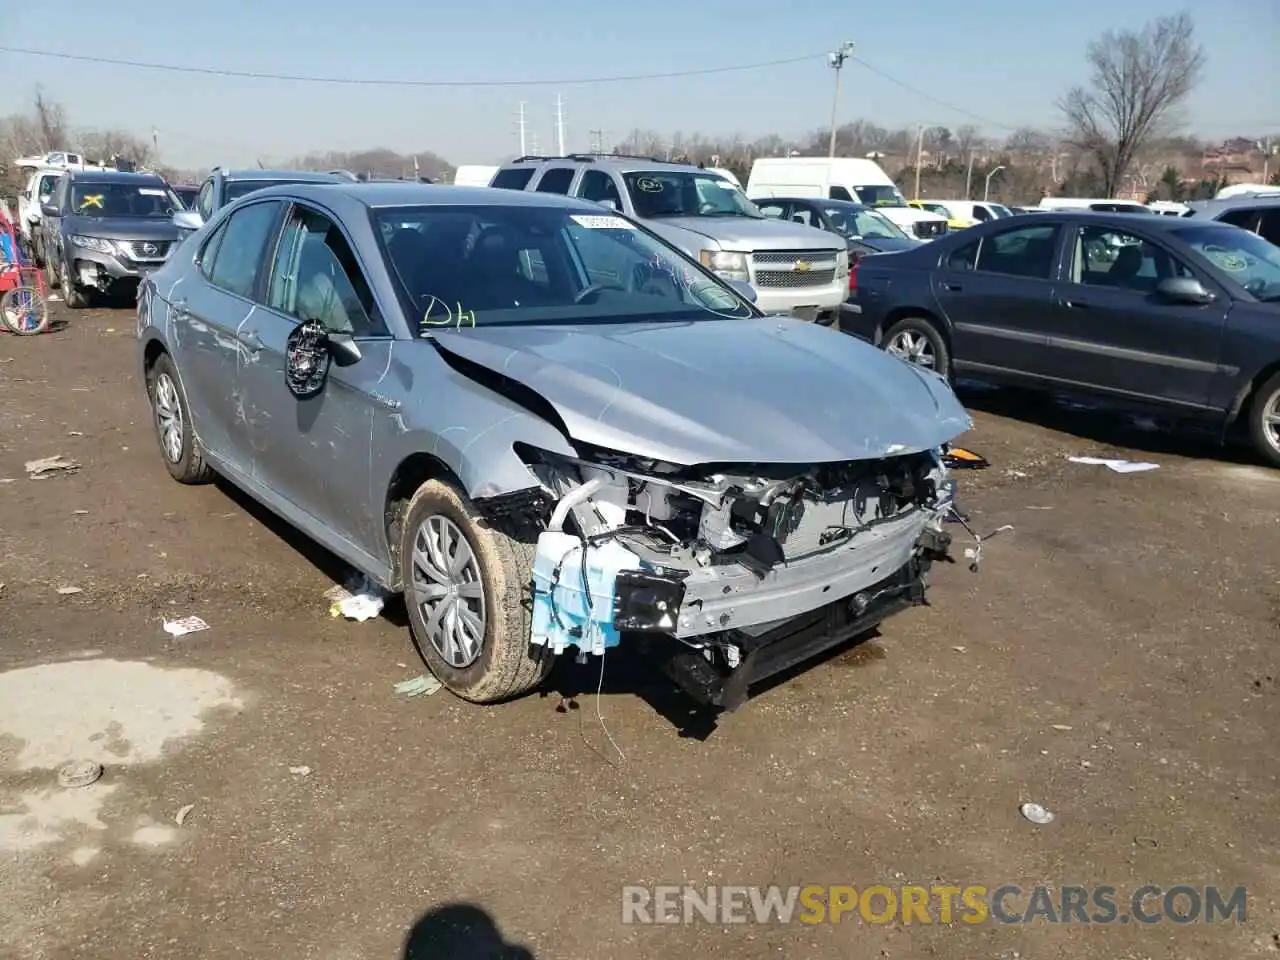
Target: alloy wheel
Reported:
[(448, 590), (169, 417), (913, 347)]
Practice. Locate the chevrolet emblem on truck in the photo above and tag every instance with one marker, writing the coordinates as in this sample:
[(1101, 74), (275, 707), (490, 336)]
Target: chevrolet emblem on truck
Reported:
[(802, 266)]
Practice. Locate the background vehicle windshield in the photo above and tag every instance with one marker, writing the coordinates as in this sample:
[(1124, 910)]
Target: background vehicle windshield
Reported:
[(881, 195), (1243, 256), (45, 188), (1001, 210), (681, 193), (498, 265), (235, 189), (858, 222), (123, 200), (187, 195)]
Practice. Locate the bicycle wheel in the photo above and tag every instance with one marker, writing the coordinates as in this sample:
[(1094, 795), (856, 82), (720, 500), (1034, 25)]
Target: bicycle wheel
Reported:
[(25, 311)]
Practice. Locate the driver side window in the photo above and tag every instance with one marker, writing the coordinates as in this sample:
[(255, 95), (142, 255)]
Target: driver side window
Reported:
[(204, 200), (316, 277)]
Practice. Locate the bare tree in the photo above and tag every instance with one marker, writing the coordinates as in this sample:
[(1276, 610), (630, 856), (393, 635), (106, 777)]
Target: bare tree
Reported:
[(51, 122), (968, 140), (1139, 80)]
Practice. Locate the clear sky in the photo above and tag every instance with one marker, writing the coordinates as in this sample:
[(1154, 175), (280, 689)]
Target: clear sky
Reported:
[(1002, 60)]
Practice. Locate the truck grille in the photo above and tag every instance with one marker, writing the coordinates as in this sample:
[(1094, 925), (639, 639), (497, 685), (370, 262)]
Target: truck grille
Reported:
[(928, 229), (794, 269), (148, 249)]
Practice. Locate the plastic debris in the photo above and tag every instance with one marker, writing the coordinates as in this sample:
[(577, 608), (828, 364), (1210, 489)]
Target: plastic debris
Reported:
[(1060, 726), (300, 771), (180, 628), (1036, 813), (183, 812), (48, 467), (79, 773), (68, 591), (1119, 466), (359, 600), (960, 458), (424, 685)]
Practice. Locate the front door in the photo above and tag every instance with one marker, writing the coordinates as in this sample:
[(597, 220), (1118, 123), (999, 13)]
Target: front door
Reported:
[(316, 452), (1112, 331), (997, 292)]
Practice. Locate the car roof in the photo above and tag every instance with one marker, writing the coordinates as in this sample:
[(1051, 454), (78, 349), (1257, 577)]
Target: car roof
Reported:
[(406, 193), (1242, 201), (825, 201), (114, 176), (1119, 220), (612, 162)]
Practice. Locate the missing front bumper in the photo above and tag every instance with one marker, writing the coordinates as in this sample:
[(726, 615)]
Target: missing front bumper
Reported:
[(770, 653)]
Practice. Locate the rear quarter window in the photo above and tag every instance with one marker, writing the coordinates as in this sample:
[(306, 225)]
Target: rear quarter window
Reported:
[(516, 178)]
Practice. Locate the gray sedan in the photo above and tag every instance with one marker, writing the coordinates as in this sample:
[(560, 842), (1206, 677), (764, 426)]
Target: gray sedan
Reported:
[(549, 429)]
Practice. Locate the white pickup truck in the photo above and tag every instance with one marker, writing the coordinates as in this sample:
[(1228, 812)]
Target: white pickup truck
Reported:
[(37, 192)]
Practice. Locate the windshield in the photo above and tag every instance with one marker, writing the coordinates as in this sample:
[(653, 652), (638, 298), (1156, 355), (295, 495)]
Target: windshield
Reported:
[(187, 195), (687, 193), (45, 188), (151, 200), (881, 195), (858, 222), (497, 265), (937, 208), (1243, 256), (1001, 210), (235, 189)]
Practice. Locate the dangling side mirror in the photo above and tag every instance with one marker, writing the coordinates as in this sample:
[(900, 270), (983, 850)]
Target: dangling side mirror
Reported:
[(306, 359)]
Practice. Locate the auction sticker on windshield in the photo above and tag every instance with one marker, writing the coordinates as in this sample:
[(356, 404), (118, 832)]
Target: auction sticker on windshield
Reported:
[(151, 192), (602, 223)]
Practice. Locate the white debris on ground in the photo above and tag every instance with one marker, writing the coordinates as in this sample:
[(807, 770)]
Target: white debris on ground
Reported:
[(180, 628), (47, 467), (424, 685), (1119, 466), (117, 713), (360, 600)]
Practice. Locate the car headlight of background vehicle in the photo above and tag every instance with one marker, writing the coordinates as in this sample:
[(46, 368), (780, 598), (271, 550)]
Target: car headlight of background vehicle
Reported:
[(729, 264), (96, 244), (842, 265)]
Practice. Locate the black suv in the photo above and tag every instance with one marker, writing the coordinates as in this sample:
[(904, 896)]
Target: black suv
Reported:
[(104, 230)]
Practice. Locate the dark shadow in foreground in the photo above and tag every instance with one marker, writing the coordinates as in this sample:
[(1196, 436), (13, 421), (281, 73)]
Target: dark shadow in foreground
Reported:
[(460, 931)]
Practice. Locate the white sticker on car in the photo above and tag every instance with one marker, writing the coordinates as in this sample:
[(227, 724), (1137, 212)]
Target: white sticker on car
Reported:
[(152, 192), (602, 222)]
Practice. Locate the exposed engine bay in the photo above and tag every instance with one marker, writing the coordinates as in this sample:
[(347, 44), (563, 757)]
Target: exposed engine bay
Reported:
[(720, 569)]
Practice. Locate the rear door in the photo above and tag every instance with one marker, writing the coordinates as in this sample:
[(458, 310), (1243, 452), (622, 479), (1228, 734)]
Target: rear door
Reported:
[(207, 314), (1113, 332), (997, 292)]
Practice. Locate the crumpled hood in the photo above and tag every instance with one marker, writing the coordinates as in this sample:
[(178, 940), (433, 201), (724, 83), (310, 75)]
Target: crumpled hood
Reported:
[(122, 228), (764, 390), (747, 233)]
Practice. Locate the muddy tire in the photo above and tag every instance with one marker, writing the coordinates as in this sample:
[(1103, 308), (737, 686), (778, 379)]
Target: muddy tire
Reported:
[(179, 447), (1264, 421), (468, 592), (919, 341)]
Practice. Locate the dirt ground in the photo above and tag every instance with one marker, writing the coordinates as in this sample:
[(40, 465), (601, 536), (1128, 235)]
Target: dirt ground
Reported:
[(1114, 660)]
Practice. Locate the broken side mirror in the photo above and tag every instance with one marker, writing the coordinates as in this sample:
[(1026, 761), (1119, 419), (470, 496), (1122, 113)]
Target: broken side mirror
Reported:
[(1184, 290), (306, 359)]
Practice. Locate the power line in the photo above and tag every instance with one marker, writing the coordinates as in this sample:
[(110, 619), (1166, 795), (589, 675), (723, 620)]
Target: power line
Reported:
[(379, 82), (928, 96)]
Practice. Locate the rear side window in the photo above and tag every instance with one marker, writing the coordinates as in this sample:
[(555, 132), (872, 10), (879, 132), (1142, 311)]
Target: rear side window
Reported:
[(556, 180), (838, 193), (513, 178), (1246, 218), (238, 259), (1269, 229), (1020, 252)]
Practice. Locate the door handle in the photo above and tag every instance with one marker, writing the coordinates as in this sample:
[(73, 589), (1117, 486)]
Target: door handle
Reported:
[(1075, 304), (251, 341), (952, 286)]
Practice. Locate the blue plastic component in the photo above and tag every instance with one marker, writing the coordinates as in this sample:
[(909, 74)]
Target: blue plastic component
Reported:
[(561, 614)]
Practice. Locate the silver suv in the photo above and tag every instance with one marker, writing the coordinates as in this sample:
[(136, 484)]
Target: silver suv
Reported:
[(794, 269)]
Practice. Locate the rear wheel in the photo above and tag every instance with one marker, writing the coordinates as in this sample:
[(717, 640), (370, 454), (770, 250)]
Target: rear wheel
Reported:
[(467, 589), (919, 341), (1264, 421), (183, 457)]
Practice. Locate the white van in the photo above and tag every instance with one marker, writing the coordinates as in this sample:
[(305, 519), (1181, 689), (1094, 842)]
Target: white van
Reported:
[(1095, 204), (841, 178), (474, 175)]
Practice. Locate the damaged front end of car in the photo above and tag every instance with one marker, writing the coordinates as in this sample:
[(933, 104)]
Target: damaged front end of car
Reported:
[(728, 574)]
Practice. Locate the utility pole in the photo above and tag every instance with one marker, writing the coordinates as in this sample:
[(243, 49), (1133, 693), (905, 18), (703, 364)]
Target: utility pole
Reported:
[(560, 123), (155, 143), (919, 156), (968, 178), (533, 143), (836, 60), (523, 151), (986, 190), (1268, 151), (597, 141)]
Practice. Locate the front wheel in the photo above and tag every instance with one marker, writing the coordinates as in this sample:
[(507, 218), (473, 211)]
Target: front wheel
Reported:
[(72, 295), (918, 341), (1264, 421), (467, 589)]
